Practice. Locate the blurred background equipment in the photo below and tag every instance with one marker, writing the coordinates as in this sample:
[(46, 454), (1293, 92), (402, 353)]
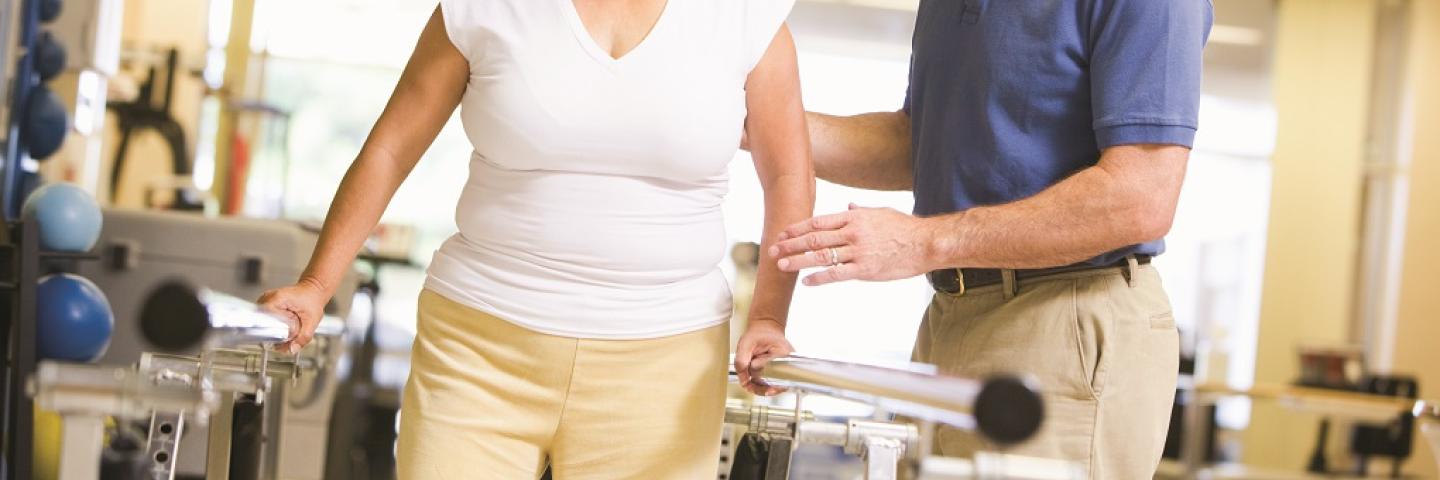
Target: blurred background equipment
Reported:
[(68, 217), (73, 319), (151, 264), (1002, 411), (1300, 265)]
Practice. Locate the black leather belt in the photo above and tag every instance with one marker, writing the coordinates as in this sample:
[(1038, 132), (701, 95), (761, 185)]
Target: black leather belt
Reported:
[(953, 281)]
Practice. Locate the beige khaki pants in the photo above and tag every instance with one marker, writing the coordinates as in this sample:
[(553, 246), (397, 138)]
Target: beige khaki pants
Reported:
[(1104, 349), (488, 399)]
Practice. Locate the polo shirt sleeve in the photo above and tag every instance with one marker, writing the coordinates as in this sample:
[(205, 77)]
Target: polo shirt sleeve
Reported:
[(1145, 64)]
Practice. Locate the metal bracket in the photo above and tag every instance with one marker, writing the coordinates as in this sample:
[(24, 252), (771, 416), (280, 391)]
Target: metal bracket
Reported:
[(81, 439), (164, 445), (882, 458), (777, 466)]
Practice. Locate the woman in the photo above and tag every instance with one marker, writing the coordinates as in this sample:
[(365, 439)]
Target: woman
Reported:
[(578, 317)]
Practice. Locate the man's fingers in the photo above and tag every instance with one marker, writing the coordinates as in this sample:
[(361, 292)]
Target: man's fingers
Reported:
[(838, 273), (834, 221), (812, 242), (815, 258)]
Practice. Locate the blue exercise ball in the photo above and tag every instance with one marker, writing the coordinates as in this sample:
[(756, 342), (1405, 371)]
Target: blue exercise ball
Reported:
[(49, 56), (68, 217), (45, 123), (73, 319), (49, 10)]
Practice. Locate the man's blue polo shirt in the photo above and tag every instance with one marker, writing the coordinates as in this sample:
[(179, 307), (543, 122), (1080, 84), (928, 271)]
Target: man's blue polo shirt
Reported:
[(1009, 97)]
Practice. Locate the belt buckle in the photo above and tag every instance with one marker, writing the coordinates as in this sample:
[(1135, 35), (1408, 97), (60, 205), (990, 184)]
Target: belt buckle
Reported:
[(937, 281)]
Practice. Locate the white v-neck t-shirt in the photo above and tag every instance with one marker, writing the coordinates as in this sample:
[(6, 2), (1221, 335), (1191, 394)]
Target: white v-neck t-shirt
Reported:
[(592, 209)]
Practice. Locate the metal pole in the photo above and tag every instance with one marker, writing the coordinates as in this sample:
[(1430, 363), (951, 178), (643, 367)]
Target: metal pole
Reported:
[(1006, 410), (80, 439)]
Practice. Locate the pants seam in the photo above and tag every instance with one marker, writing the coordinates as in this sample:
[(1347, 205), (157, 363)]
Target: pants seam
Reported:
[(1094, 422), (1087, 377), (564, 403)]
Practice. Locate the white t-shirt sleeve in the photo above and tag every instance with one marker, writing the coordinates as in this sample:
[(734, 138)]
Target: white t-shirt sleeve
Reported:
[(763, 19), (460, 26)]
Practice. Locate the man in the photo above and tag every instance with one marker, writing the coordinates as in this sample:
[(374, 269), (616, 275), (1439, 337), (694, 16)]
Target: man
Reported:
[(1046, 142)]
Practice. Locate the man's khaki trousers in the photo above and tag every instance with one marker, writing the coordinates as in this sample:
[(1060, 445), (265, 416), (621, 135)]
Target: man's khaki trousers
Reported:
[(1102, 346)]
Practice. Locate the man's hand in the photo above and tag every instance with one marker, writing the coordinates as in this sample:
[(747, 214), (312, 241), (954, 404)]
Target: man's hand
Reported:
[(763, 340), (875, 244)]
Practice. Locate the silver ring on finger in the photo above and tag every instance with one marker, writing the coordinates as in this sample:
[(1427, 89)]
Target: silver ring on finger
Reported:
[(834, 256)]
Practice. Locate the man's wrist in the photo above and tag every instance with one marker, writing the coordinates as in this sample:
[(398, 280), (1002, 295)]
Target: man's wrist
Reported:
[(946, 245)]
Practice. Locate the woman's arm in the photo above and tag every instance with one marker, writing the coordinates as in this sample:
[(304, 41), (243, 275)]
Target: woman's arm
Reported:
[(426, 95), (780, 145)]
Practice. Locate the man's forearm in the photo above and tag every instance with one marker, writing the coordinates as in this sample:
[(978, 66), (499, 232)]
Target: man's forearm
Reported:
[(1128, 199), (870, 151)]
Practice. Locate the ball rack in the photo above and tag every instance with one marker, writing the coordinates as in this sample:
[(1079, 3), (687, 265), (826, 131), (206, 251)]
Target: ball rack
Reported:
[(22, 264), (20, 20)]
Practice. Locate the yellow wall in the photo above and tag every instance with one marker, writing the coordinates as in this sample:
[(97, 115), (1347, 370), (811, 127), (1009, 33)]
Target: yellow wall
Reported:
[(1322, 100), (1417, 343)]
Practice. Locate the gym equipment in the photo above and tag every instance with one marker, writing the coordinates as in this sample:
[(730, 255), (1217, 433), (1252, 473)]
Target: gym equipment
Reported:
[(180, 317), (22, 262), (145, 112), (50, 10), (73, 319), (45, 122), (47, 445), (50, 56), (1002, 409), (230, 390), (1391, 439), (69, 218), (1364, 407), (142, 250)]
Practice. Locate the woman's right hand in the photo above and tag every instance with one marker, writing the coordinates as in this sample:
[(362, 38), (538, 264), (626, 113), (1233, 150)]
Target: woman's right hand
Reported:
[(303, 304)]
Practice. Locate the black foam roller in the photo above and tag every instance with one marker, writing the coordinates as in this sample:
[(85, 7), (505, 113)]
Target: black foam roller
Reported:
[(173, 318), (1009, 410)]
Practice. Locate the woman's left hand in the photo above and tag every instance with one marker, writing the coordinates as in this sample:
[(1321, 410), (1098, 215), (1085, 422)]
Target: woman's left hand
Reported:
[(763, 340)]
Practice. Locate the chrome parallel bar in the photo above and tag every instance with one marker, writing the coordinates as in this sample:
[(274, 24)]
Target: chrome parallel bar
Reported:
[(230, 370), (122, 392), (996, 466), (178, 317), (1353, 405), (1005, 410), (235, 322), (762, 418)]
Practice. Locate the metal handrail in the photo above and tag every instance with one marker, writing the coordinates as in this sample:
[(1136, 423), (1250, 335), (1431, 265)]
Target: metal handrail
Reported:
[(1005, 409)]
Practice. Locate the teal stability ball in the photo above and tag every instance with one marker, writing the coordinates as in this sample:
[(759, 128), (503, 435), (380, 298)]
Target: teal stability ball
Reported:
[(68, 217), (73, 319)]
